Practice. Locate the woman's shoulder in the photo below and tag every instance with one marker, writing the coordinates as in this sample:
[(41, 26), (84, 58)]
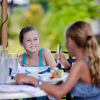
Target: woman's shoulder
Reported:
[(21, 56), (20, 59), (79, 64), (78, 67), (46, 51)]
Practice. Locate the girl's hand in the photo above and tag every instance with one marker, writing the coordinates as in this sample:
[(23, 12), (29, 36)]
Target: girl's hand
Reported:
[(23, 78), (62, 59)]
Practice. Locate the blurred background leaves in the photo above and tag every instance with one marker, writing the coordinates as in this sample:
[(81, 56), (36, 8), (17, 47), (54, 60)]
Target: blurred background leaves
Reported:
[(50, 17)]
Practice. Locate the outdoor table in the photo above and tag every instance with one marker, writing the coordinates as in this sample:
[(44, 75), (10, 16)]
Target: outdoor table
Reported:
[(19, 94), (22, 94)]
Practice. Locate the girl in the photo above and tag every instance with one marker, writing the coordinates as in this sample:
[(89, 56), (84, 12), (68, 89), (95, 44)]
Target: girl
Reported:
[(34, 56), (84, 77)]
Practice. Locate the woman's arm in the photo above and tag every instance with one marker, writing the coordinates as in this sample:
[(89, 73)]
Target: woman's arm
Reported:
[(57, 92), (48, 58), (63, 61), (60, 92)]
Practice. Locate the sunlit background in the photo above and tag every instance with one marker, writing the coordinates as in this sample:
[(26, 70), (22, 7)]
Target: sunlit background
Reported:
[(50, 17)]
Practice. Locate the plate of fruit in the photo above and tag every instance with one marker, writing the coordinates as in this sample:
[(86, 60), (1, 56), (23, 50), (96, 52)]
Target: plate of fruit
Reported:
[(53, 77)]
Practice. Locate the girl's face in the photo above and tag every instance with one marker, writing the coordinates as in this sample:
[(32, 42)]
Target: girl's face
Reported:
[(31, 41)]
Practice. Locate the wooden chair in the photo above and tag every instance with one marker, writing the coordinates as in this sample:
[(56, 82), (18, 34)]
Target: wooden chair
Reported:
[(71, 61)]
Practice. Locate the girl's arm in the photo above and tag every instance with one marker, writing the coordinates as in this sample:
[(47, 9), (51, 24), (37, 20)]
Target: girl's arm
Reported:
[(48, 58), (60, 92), (63, 61), (57, 92)]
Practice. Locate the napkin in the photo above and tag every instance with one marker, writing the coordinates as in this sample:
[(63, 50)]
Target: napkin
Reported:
[(26, 88)]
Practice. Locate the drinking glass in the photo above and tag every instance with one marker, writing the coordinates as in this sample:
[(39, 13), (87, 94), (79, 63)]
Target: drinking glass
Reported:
[(1, 50), (13, 63), (4, 70)]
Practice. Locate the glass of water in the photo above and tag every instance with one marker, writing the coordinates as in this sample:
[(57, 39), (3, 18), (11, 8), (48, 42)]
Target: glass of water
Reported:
[(4, 70), (13, 63)]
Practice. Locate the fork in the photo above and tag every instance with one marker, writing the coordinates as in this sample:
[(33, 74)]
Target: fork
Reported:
[(58, 51)]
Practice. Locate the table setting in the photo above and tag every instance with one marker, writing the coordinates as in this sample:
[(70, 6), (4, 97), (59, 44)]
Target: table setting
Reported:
[(45, 77), (9, 89), (9, 67), (28, 91)]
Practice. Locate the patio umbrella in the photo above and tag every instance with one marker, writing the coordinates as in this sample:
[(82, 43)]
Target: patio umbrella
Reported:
[(4, 17)]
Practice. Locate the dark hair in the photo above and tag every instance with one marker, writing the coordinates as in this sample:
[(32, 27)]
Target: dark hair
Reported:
[(24, 30)]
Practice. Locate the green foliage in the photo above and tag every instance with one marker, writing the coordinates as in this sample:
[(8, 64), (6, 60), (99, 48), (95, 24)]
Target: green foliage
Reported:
[(64, 12), (51, 25), (34, 15), (21, 17)]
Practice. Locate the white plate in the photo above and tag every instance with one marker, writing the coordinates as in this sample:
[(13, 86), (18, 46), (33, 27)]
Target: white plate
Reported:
[(31, 70), (46, 78), (53, 80)]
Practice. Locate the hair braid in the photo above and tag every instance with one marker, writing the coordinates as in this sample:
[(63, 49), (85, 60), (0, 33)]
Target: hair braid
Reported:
[(93, 60), (81, 32)]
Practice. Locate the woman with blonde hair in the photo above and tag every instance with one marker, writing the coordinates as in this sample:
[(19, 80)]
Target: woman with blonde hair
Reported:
[(84, 77)]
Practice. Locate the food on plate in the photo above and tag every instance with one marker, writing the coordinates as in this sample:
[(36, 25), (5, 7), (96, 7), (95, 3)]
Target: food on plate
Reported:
[(55, 74), (60, 72)]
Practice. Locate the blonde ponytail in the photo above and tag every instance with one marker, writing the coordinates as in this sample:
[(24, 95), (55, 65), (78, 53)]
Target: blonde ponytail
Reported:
[(81, 32), (93, 60)]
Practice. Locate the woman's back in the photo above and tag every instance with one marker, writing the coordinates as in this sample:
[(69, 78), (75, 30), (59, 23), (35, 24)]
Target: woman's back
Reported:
[(83, 91)]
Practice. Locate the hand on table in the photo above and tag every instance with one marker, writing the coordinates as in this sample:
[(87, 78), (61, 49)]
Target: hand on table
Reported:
[(23, 78)]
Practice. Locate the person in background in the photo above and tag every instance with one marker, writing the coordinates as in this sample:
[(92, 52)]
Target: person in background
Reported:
[(34, 56), (84, 76)]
